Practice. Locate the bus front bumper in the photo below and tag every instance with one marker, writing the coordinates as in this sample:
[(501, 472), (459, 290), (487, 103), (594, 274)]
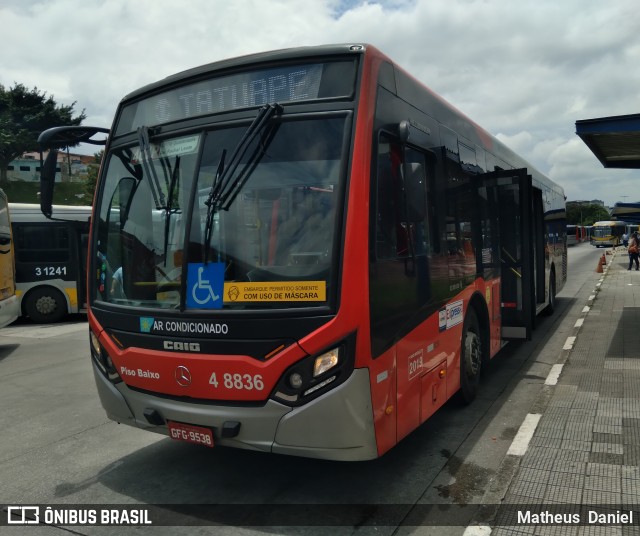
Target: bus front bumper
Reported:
[(335, 426)]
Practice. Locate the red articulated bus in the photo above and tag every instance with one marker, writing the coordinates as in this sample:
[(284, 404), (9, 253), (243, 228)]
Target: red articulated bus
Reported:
[(306, 252)]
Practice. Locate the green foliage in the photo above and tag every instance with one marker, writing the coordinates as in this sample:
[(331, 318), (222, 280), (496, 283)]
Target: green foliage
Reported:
[(92, 177), (586, 214), (66, 193), (24, 114)]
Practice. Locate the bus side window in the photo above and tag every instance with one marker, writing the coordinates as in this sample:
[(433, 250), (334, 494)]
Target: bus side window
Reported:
[(402, 202), (416, 189), (389, 243), (400, 275)]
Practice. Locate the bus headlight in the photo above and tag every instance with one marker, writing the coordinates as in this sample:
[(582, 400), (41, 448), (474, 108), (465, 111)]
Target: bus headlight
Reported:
[(102, 359), (326, 361), (316, 374), (95, 343)]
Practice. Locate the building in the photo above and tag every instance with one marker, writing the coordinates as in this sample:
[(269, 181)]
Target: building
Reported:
[(71, 167)]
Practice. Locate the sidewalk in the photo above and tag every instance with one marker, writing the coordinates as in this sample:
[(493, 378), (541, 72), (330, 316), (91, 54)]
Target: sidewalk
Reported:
[(584, 451)]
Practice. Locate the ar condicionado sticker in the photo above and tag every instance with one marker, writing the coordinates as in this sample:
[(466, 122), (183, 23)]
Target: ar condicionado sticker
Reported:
[(284, 291)]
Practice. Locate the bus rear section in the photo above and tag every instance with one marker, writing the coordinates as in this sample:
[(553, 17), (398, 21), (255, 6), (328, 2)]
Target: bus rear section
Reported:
[(51, 260), (313, 268), (9, 302)]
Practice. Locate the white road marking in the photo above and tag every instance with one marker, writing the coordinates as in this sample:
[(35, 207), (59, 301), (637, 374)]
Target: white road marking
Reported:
[(520, 443), (568, 345), (554, 374), (477, 530)]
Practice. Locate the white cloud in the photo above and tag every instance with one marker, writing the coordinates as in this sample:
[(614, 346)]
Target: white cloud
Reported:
[(524, 70)]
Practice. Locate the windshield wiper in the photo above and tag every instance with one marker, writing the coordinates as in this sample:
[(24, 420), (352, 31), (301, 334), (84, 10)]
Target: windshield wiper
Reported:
[(154, 181), (149, 169), (169, 209), (225, 188), (208, 227)]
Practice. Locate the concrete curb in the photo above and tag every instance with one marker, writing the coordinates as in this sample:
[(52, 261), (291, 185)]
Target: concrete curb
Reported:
[(500, 483)]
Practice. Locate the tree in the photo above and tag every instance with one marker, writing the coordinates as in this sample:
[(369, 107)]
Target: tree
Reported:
[(24, 114), (583, 214)]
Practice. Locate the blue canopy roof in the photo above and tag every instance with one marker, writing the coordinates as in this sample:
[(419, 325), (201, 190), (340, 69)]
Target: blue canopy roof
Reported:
[(629, 212), (614, 140)]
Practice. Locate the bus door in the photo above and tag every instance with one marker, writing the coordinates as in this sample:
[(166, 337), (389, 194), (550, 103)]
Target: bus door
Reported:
[(82, 230), (508, 200)]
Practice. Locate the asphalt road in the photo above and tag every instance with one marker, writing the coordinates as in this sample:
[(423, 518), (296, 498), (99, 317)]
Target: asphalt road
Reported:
[(59, 448)]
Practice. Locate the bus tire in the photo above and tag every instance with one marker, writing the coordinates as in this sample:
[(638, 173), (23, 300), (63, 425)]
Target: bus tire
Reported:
[(45, 304), (551, 306), (471, 357)]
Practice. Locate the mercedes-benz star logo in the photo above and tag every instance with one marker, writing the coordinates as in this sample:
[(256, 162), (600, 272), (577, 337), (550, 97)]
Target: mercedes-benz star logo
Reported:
[(183, 376)]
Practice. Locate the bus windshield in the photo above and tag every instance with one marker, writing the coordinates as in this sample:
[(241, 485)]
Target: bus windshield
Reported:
[(161, 243), (601, 232)]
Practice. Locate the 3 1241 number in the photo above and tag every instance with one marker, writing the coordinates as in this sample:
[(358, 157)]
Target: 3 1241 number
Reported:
[(51, 270)]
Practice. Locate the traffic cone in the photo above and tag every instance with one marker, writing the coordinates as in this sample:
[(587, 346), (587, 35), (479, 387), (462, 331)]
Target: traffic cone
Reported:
[(599, 268), (603, 260)]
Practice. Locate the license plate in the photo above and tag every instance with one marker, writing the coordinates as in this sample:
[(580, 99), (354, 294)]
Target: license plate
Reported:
[(190, 433)]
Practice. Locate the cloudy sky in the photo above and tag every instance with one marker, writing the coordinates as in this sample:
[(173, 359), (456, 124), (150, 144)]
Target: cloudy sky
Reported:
[(525, 70)]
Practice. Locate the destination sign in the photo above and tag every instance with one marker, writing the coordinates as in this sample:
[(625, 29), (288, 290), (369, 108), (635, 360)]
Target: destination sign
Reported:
[(283, 84)]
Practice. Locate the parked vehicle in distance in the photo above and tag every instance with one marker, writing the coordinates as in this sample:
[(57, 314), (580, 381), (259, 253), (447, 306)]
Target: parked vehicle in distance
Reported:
[(572, 235), (608, 233), (51, 260)]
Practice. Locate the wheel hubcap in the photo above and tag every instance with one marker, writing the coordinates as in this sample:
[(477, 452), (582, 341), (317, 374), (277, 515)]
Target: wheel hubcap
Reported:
[(473, 353), (46, 305)]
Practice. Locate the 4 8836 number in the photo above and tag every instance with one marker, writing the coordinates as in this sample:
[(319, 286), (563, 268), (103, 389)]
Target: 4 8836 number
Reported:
[(238, 381)]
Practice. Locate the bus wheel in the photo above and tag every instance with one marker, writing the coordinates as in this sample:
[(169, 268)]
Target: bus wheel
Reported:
[(44, 305), (470, 357)]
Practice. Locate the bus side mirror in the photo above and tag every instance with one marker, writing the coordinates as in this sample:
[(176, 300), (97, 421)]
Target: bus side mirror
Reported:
[(47, 182), (120, 202), (415, 192), (126, 189)]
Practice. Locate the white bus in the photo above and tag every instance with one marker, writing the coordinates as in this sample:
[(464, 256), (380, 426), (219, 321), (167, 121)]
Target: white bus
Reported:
[(572, 236), (51, 259)]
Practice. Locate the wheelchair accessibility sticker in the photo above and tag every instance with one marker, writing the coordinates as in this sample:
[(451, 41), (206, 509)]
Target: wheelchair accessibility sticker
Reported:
[(205, 284)]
